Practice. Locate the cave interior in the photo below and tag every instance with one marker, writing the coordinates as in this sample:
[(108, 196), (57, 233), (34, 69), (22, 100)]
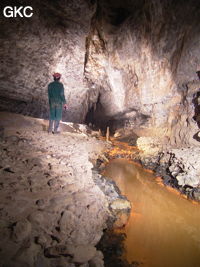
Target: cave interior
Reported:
[(125, 64), (132, 66)]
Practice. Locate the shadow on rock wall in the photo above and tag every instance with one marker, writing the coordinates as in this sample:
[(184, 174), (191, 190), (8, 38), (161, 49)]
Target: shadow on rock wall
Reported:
[(53, 39), (143, 54), (138, 55)]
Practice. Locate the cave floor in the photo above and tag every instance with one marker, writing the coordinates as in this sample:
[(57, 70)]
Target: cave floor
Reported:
[(48, 194)]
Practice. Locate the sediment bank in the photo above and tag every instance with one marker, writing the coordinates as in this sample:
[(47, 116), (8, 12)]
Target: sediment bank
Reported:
[(54, 208)]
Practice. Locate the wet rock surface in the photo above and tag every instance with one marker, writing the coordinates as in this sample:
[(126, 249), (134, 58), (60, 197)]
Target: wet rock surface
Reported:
[(52, 211), (179, 167), (119, 206), (112, 246)]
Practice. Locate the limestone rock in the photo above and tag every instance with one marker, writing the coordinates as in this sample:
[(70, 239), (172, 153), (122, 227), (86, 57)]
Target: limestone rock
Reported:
[(149, 145), (57, 251), (45, 217), (44, 240), (196, 194), (97, 261), (21, 230), (61, 262), (121, 210), (67, 222), (37, 217), (121, 204), (43, 220), (82, 254), (178, 166), (121, 219), (40, 202), (122, 87), (65, 55), (107, 82), (26, 255), (184, 166)]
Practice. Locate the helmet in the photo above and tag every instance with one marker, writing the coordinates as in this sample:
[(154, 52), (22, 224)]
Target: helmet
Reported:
[(56, 75)]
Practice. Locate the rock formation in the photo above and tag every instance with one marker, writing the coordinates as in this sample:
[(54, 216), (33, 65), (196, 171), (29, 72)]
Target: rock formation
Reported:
[(53, 207), (53, 39), (130, 65), (124, 64), (143, 57)]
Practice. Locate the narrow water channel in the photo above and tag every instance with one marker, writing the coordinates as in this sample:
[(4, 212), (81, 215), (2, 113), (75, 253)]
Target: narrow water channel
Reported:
[(164, 227)]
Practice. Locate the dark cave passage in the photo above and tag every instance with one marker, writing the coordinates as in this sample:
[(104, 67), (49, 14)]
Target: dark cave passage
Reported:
[(95, 116), (196, 103), (97, 119)]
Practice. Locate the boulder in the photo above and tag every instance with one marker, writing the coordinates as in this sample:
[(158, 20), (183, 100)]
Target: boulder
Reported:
[(21, 230), (196, 194), (79, 254), (121, 219), (97, 261), (82, 254), (120, 204)]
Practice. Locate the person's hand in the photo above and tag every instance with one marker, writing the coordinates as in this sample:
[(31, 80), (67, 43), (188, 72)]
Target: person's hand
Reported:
[(65, 106)]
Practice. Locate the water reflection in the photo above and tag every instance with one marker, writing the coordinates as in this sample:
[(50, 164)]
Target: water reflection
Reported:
[(164, 228)]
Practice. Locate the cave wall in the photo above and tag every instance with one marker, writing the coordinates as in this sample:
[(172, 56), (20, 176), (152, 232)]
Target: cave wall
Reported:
[(144, 54), (53, 39), (129, 63)]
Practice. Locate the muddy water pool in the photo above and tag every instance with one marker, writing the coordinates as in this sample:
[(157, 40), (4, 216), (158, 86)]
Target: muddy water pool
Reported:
[(164, 227)]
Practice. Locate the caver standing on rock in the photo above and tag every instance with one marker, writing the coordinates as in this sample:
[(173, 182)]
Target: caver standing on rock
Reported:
[(56, 102)]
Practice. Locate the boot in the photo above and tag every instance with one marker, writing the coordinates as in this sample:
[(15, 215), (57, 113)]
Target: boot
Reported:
[(56, 125), (50, 129)]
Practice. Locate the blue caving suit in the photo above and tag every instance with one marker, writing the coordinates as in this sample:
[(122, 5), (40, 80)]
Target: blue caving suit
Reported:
[(56, 101)]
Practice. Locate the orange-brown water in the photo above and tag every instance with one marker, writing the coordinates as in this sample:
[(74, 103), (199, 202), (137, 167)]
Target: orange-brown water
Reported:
[(164, 227)]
